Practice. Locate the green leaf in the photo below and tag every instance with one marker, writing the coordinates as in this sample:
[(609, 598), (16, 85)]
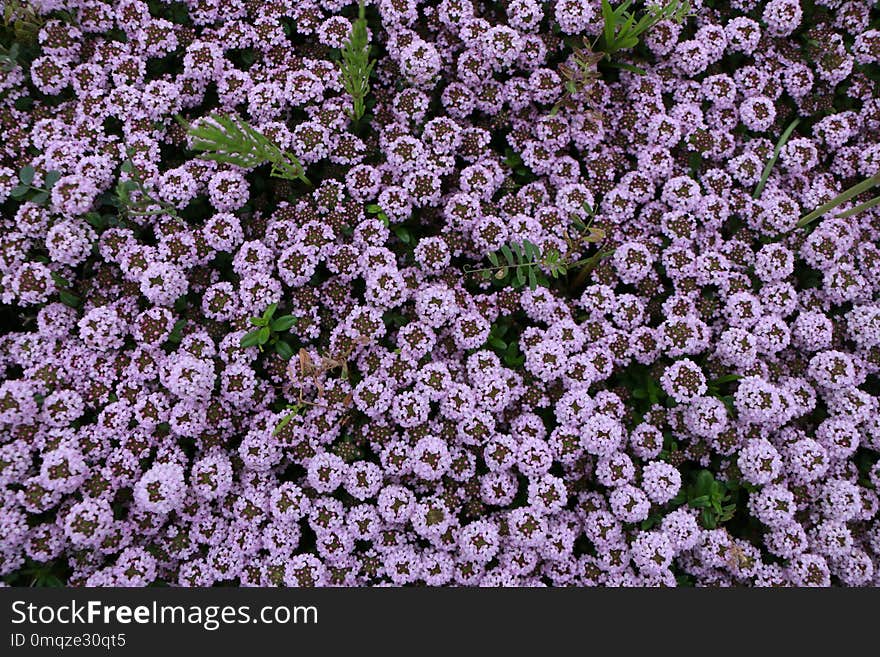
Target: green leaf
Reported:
[(26, 175), (508, 255), (177, 332), (95, 220), (728, 378), (498, 343), (40, 197), (267, 315), (284, 350), (69, 299), (258, 321), (251, 339), (19, 190), (283, 323), (51, 178), (263, 335), (705, 481), (533, 279), (629, 67), (284, 422), (708, 519), (700, 502), (610, 21), (60, 281)]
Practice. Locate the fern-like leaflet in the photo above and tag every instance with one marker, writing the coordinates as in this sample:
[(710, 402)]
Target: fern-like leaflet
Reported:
[(356, 66), (523, 263), (231, 140)]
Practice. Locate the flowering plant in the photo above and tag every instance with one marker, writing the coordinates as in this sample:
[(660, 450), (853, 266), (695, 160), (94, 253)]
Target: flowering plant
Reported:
[(440, 293)]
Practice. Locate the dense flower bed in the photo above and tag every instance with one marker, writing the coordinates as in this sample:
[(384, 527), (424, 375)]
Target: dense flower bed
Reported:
[(545, 314)]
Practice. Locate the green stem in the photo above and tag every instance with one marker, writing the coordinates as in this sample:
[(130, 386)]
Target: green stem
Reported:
[(592, 261), (500, 267), (772, 161), (860, 208), (843, 197)]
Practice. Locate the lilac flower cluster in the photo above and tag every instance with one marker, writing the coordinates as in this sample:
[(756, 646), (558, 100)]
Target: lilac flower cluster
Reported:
[(447, 430)]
